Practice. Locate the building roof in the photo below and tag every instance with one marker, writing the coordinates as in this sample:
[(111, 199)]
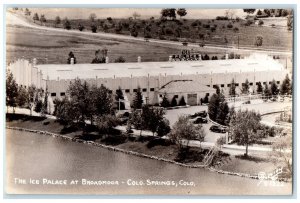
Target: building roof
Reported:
[(179, 86), (111, 70)]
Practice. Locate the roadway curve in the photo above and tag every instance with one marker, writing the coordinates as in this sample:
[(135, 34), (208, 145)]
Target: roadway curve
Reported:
[(14, 19)]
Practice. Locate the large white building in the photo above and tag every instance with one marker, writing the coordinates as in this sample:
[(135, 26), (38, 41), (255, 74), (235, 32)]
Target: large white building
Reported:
[(193, 79)]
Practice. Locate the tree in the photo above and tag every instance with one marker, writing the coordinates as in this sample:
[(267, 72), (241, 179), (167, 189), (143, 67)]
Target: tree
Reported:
[(45, 103), (274, 88), (152, 117), (92, 17), (182, 102), (136, 120), (285, 86), (136, 15), (258, 40), (165, 102), (80, 27), (170, 12), (102, 100), (79, 93), (259, 89), (105, 123), (181, 12), (163, 127), (259, 12), (245, 88), (71, 56), (218, 108), (30, 97), (282, 151), (35, 17), (267, 91), (260, 22), (244, 126), (57, 21), (94, 28), (22, 96), (184, 129), (43, 18), (11, 90), (174, 101), (27, 12), (67, 24), (289, 22), (267, 12), (232, 91), (138, 99), (119, 97), (249, 11), (133, 31)]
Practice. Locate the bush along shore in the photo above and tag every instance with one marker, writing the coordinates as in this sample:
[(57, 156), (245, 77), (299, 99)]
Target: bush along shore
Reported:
[(112, 148)]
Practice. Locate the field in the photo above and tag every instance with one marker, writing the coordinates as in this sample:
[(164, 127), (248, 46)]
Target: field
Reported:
[(53, 47), (213, 31)]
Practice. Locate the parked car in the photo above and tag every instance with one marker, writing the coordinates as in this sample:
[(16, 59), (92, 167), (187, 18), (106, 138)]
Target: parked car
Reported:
[(202, 114), (217, 129), (200, 120)]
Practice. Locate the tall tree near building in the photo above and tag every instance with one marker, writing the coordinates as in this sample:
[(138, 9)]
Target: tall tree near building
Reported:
[(274, 88), (267, 91), (22, 95), (218, 108), (152, 117), (259, 89), (244, 126), (35, 17), (182, 102), (165, 102), (80, 99), (30, 97), (163, 127), (174, 101), (245, 88), (232, 91), (45, 103), (138, 99), (285, 86), (119, 97), (11, 90), (181, 12), (137, 121), (57, 21)]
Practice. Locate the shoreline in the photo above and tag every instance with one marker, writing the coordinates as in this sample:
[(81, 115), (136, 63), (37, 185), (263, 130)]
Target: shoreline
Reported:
[(245, 175)]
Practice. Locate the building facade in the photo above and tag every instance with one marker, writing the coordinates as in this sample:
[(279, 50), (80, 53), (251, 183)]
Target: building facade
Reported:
[(153, 77)]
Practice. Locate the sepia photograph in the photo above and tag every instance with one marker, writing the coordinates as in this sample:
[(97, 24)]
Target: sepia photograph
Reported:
[(149, 101)]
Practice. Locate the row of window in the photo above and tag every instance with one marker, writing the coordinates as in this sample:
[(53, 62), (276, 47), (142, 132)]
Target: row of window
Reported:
[(53, 94), (237, 84)]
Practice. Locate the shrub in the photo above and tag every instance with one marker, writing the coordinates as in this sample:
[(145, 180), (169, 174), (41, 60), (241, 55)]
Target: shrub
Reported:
[(38, 106), (120, 59), (260, 22), (236, 29), (80, 27), (94, 28), (182, 102), (229, 26)]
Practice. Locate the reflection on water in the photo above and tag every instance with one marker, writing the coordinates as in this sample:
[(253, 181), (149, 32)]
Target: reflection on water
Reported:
[(38, 157)]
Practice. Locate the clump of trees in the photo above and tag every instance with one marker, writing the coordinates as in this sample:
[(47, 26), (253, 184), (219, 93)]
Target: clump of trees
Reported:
[(30, 97), (150, 118), (86, 103), (184, 130)]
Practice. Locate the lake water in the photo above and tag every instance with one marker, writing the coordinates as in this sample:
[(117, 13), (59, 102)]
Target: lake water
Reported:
[(43, 158)]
